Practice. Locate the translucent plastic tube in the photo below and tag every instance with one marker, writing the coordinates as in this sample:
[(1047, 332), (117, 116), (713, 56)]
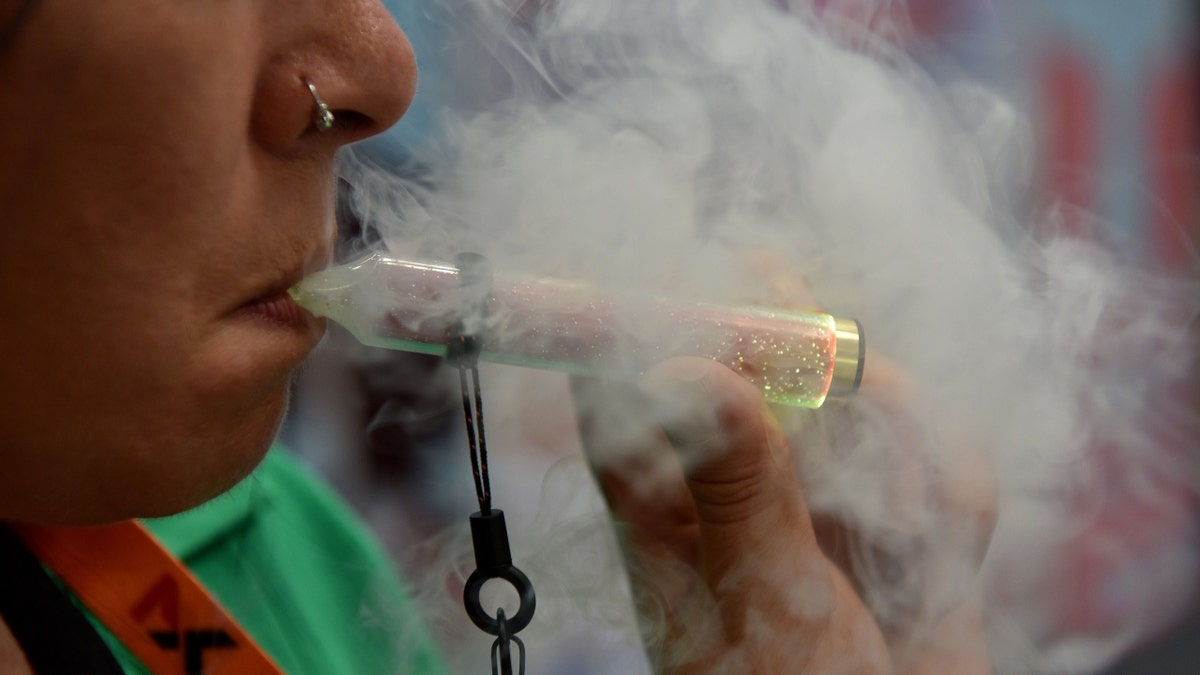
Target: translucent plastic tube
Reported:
[(796, 358)]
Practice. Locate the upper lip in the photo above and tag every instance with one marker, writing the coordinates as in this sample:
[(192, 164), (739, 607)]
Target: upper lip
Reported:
[(280, 286), (280, 283)]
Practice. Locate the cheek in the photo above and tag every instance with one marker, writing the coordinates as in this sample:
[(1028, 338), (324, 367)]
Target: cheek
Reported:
[(208, 431), (119, 422), (129, 141), (78, 453), (124, 394)]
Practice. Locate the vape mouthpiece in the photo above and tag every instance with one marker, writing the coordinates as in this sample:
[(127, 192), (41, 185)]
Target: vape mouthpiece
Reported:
[(796, 358)]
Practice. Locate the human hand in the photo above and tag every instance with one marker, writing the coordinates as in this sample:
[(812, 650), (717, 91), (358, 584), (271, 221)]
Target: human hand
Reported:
[(731, 569)]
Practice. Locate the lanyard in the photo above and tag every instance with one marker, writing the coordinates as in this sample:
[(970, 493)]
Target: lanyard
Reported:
[(148, 599), (489, 534)]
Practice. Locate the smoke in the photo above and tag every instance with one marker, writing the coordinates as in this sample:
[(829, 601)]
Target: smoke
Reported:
[(656, 147)]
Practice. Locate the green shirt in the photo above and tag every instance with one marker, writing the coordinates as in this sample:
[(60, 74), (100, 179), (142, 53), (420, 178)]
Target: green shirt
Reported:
[(291, 563)]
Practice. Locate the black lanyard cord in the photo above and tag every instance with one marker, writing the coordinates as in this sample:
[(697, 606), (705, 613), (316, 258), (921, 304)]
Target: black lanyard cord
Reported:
[(476, 439), (489, 534)]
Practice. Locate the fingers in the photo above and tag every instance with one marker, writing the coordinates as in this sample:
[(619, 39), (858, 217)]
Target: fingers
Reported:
[(950, 502), (903, 506), (693, 446), (653, 515), (757, 554), (958, 645), (634, 465), (735, 460), (783, 286), (725, 558)]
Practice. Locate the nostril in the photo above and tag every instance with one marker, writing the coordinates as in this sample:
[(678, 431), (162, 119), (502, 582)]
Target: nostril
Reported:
[(354, 123)]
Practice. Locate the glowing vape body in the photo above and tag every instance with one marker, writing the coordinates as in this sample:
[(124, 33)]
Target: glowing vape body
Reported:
[(796, 358)]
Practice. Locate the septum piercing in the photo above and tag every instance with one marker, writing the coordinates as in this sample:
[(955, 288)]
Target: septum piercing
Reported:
[(324, 116)]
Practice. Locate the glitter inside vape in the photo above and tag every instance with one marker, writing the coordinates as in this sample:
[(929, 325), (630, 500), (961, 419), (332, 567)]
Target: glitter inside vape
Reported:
[(796, 358)]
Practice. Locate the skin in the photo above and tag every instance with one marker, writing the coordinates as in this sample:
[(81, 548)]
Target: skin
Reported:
[(170, 176), (731, 571), (163, 183)]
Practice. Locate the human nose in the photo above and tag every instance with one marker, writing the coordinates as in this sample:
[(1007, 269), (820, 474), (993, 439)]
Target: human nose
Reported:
[(359, 64)]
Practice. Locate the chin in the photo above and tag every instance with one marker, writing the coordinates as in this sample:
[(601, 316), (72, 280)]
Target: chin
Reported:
[(214, 482), (186, 474)]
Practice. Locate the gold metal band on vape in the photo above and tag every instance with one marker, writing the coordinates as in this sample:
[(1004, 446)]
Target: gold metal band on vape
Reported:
[(848, 358)]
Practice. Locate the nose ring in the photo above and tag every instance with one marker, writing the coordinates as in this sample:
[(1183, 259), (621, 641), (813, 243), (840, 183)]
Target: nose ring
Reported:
[(323, 116)]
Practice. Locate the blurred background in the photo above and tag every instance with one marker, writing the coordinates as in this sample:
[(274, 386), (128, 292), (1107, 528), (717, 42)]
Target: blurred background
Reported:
[(1111, 90)]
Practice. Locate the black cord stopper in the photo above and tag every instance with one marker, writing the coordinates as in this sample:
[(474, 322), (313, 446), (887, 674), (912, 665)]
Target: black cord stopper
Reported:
[(493, 560), (489, 534)]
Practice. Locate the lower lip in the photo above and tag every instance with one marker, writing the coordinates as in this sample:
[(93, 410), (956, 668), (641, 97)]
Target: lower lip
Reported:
[(279, 310)]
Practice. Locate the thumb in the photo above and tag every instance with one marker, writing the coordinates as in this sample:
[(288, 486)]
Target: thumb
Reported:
[(778, 603), (737, 467)]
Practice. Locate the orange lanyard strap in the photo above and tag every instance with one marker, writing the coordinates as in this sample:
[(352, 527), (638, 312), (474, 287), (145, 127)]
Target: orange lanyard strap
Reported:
[(148, 599)]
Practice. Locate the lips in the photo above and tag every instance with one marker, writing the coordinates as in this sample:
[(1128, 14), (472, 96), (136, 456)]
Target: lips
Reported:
[(273, 304), (279, 309)]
